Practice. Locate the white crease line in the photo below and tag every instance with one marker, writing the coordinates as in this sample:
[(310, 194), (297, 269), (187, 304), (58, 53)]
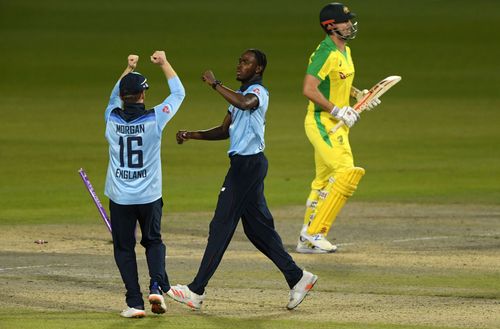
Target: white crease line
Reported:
[(422, 239), (397, 241), (425, 238), (33, 266)]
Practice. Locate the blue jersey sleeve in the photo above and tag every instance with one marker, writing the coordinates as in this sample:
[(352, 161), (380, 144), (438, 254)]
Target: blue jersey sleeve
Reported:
[(167, 109), (258, 91), (114, 101)]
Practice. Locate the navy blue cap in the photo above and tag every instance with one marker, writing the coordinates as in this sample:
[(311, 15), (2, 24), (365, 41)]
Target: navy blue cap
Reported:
[(133, 83), (335, 12)]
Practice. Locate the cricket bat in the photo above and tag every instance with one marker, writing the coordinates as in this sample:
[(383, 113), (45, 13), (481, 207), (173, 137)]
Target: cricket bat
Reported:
[(375, 92)]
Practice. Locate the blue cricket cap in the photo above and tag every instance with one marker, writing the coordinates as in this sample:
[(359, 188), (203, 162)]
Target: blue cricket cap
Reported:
[(133, 83)]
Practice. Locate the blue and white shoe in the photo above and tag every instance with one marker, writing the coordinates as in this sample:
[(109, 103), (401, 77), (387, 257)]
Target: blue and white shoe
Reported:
[(156, 300), (314, 244)]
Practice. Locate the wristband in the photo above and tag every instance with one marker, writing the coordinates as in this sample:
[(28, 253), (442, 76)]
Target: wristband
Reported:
[(335, 111), (216, 83)]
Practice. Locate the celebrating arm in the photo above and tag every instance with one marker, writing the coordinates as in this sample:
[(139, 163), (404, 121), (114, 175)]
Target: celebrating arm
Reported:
[(160, 59), (243, 102), (170, 105), (174, 83), (131, 65), (114, 98), (215, 133)]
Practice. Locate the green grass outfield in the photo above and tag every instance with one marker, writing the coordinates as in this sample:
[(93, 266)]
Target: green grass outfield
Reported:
[(434, 139)]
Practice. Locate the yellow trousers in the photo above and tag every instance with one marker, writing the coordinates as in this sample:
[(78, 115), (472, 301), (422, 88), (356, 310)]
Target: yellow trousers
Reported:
[(332, 155)]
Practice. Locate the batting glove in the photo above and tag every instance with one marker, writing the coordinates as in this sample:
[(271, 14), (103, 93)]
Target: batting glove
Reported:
[(346, 114)]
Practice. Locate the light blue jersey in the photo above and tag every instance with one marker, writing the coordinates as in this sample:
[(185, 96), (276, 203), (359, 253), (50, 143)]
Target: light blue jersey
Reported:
[(246, 132), (134, 136)]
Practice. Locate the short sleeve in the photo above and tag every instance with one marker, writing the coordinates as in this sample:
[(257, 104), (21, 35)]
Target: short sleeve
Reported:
[(260, 92), (168, 108), (320, 63)]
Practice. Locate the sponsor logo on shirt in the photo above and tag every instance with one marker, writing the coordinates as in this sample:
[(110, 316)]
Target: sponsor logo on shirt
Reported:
[(345, 76)]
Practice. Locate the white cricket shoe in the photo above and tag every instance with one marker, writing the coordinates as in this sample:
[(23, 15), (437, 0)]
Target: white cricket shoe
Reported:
[(306, 247), (301, 289), (182, 294), (157, 302), (314, 244), (133, 313)]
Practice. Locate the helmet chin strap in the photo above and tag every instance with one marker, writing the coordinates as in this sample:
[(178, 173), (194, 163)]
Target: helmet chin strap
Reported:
[(340, 34), (352, 32)]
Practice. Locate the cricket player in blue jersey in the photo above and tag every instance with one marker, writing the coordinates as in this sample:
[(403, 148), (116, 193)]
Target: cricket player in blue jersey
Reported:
[(242, 193), (134, 180)]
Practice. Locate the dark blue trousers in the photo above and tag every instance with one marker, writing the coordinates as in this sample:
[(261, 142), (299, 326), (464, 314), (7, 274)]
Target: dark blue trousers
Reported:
[(124, 219), (242, 196)]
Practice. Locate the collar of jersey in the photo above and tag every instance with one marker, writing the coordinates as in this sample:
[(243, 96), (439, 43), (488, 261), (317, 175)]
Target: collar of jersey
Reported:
[(330, 42), (132, 111), (256, 80)]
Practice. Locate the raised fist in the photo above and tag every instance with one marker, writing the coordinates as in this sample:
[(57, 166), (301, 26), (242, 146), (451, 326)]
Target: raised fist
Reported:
[(159, 57), (132, 61), (208, 77)]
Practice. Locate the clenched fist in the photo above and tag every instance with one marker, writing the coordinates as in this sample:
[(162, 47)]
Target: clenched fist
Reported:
[(181, 136), (159, 57), (208, 77), (132, 61)]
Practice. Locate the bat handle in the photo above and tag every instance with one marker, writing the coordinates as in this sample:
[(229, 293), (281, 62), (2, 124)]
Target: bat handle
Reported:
[(336, 127)]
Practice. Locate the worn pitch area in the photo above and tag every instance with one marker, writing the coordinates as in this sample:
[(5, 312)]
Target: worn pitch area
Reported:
[(397, 263)]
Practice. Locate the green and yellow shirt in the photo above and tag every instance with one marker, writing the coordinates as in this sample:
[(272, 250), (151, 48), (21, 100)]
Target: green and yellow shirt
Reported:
[(335, 69)]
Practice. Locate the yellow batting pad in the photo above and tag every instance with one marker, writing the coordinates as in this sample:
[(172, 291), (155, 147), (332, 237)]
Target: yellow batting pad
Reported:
[(337, 193)]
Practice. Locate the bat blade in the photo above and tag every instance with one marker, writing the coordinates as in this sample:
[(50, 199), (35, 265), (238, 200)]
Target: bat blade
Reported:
[(375, 92)]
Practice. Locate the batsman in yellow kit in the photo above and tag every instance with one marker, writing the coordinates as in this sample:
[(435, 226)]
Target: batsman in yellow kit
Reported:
[(328, 86)]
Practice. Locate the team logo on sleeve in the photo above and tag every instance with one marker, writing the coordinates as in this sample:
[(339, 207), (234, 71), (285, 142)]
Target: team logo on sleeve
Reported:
[(166, 109), (256, 90)]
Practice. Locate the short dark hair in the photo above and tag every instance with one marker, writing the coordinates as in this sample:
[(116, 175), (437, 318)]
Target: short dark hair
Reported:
[(260, 57), (131, 99)]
